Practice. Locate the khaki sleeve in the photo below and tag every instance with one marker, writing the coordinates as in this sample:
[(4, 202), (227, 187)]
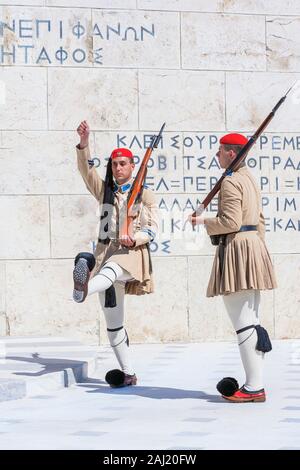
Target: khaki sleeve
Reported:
[(149, 219), (92, 180), (229, 211)]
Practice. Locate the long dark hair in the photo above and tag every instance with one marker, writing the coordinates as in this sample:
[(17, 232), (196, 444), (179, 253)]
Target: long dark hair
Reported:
[(108, 200)]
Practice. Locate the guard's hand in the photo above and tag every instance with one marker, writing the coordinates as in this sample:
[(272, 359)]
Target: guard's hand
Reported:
[(83, 131), (196, 220), (126, 240), (133, 211)]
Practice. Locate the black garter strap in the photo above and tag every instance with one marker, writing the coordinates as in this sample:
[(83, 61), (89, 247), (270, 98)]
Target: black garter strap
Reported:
[(110, 293), (115, 329), (245, 329), (126, 338), (109, 267), (263, 340)]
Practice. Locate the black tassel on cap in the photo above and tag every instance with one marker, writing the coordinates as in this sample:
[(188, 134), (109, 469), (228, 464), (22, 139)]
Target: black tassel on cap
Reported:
[(105, 220), (108, 199)]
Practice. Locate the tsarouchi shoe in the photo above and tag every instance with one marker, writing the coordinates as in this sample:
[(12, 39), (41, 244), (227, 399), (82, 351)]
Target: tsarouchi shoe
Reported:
[(117, 378), (243, 396), (81, 276)]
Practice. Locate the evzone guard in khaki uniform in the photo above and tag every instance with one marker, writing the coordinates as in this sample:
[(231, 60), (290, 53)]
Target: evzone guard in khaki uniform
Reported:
[(242, 267), (119, 266)]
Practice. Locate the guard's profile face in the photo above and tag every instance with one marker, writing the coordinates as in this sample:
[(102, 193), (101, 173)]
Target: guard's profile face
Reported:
[(225, 157), (122, 169)]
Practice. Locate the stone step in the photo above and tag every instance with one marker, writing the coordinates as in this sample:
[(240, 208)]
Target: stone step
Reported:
[(34, 365)]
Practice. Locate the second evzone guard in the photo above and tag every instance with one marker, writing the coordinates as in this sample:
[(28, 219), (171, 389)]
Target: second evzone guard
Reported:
[(242, 267)]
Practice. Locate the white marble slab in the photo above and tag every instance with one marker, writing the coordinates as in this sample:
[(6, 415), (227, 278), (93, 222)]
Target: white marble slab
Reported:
[(78, 94), (283, 43), (25, 106), (223, 42), (25, 233), (186, 100), (45, 304)]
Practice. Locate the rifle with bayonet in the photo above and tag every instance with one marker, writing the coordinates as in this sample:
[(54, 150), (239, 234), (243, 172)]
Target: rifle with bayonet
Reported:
[(137, 186), (239, 158)]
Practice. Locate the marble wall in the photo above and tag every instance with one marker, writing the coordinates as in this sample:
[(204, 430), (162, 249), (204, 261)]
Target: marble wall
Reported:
[(126, 66)]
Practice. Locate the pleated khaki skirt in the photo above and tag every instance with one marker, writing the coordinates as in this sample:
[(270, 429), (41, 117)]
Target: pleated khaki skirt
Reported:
[(136, 261), (245, 264)]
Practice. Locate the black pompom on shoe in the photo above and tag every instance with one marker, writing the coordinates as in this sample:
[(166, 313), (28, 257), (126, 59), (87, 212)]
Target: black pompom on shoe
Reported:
[(115, 378), (227, 386)]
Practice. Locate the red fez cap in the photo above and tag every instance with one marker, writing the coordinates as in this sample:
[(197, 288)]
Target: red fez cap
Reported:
[(122, 152), (234, 139)]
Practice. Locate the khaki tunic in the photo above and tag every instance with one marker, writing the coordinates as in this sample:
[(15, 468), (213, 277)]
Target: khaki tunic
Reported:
[(246, 260), (135, 260)]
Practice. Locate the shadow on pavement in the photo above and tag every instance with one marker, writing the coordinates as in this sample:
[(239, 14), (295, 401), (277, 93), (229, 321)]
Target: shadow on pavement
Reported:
[(156, 393)]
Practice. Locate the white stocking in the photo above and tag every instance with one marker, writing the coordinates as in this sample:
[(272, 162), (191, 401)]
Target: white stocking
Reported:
[(116, 332), (113, 274), (242, 308), (107, 276)]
